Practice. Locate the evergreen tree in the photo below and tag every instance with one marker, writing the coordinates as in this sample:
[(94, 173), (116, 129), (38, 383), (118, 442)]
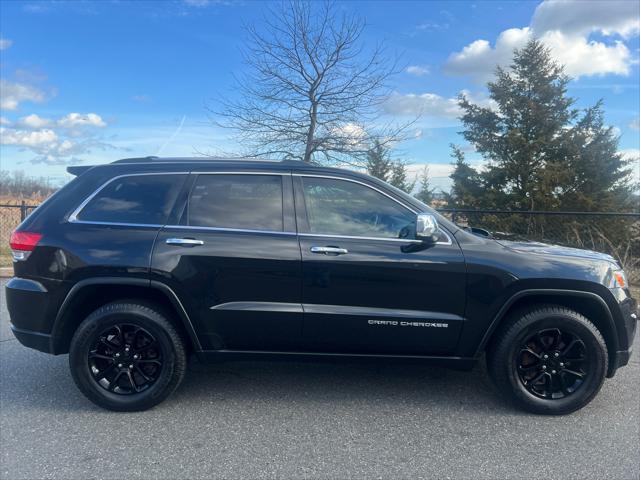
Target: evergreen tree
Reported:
[(399, 177), (542, 154), (379, 164), (425, 194), (467, 189)]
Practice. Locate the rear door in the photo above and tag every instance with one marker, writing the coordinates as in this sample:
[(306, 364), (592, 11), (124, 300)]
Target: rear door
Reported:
[(234, 259), (368, 285)]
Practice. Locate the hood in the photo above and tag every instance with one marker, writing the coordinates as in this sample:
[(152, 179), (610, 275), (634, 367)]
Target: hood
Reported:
[(556, 250)]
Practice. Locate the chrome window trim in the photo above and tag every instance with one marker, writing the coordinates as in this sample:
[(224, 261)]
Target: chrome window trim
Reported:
[(415, 212), (355, 237), (225, 229), (73, 218)]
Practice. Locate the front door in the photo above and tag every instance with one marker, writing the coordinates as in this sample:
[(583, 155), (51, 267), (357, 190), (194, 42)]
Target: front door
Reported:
[(368, 286), (234, 259)]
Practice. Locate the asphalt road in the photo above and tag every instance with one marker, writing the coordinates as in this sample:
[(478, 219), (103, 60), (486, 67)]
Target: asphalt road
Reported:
[(285, 420)]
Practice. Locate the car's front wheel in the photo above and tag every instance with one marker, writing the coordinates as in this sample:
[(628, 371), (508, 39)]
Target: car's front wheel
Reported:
[(127, 356), (548, 359)]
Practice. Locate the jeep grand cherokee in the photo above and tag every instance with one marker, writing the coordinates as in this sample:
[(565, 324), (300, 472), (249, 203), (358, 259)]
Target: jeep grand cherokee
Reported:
[(134, 265)]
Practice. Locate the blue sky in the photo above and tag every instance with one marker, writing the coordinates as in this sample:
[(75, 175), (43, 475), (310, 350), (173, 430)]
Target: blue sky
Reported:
[(90, 82)]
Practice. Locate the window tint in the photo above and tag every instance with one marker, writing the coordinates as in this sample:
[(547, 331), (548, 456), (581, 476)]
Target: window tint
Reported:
[(252, 202), (143, 199), (340, 207)]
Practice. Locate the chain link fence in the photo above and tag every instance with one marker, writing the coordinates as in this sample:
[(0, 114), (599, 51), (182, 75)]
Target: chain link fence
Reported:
[(617, 234), (11, 214)]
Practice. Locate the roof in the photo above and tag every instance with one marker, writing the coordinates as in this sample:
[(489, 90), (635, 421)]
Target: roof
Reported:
[(191, 163)]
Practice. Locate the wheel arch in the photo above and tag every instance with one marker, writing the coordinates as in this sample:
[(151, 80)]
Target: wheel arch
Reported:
[(89, 294), (589, 304)]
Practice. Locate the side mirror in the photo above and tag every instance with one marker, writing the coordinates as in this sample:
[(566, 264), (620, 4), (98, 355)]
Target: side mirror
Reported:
[(426, 227)]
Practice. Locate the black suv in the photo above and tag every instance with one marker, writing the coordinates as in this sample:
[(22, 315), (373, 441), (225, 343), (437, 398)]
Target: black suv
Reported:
[(134, 265)]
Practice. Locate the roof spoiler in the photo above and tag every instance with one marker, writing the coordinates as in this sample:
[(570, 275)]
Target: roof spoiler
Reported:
[(78, 170)]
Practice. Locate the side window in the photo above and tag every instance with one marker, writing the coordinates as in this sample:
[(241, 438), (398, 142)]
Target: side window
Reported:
[(340, 207), (251, 202), (141, 199)]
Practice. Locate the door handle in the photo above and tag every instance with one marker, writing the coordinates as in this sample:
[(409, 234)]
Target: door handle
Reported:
[(184, 242), (329, 250)]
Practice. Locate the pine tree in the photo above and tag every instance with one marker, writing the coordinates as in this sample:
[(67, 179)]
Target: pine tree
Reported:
[(399, 177), (378, 162), (425, 194), (542, 153), (467, 190)]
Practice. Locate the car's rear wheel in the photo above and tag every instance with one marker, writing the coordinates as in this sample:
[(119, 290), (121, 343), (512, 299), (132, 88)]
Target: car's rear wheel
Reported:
[(548, 359), (127, 356)]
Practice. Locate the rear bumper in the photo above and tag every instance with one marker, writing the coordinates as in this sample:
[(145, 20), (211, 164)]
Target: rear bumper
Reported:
[(29, 302), (31, 339)]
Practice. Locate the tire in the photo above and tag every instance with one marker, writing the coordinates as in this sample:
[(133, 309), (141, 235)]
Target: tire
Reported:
[(549, 385), (126, 356)]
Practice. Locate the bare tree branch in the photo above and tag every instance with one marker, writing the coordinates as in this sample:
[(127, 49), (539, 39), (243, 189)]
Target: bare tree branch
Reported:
[(312, 90)]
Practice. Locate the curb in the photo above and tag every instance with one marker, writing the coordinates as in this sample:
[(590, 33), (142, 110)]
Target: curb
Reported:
[(6, 272)]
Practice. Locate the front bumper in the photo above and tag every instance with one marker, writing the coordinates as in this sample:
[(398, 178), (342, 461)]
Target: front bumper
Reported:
[(629, 313)]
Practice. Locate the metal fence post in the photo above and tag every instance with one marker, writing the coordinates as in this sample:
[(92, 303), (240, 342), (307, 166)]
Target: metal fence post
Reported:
[(23, 211)]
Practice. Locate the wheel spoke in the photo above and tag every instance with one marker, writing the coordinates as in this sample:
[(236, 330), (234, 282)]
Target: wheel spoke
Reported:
[(103, 373), (133, 383), (548, 386), (114, 383), (100, 356), (573, 372), (557, 335), (572, 343), (144, 375), (150, 360), (147, 347), (530, 352), (529, 367), (563, 384), (536, 378)]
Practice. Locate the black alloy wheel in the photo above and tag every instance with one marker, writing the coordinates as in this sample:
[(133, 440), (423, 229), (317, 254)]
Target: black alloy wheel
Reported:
[(548, 359), (552, 364), (127, 356), (125, 359)]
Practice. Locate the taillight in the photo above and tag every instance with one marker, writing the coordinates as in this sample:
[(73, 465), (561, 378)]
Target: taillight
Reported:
[(23, 243)]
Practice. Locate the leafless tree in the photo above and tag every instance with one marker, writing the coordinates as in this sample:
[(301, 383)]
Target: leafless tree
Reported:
[(313, 88)]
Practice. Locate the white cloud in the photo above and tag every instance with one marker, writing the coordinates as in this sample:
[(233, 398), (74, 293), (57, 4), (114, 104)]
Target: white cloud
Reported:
[(418, 70), (564, 26), (75, 120), (40, 139), (432, 104), (5, 43), (12, 94), (34, 121), (479, 59), (635, 124), (633, 154), (581, 56), (575, 17), (4, 121), (428, 104)]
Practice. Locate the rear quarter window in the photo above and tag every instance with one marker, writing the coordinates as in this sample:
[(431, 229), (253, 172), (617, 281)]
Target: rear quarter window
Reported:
[(134, 199)]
